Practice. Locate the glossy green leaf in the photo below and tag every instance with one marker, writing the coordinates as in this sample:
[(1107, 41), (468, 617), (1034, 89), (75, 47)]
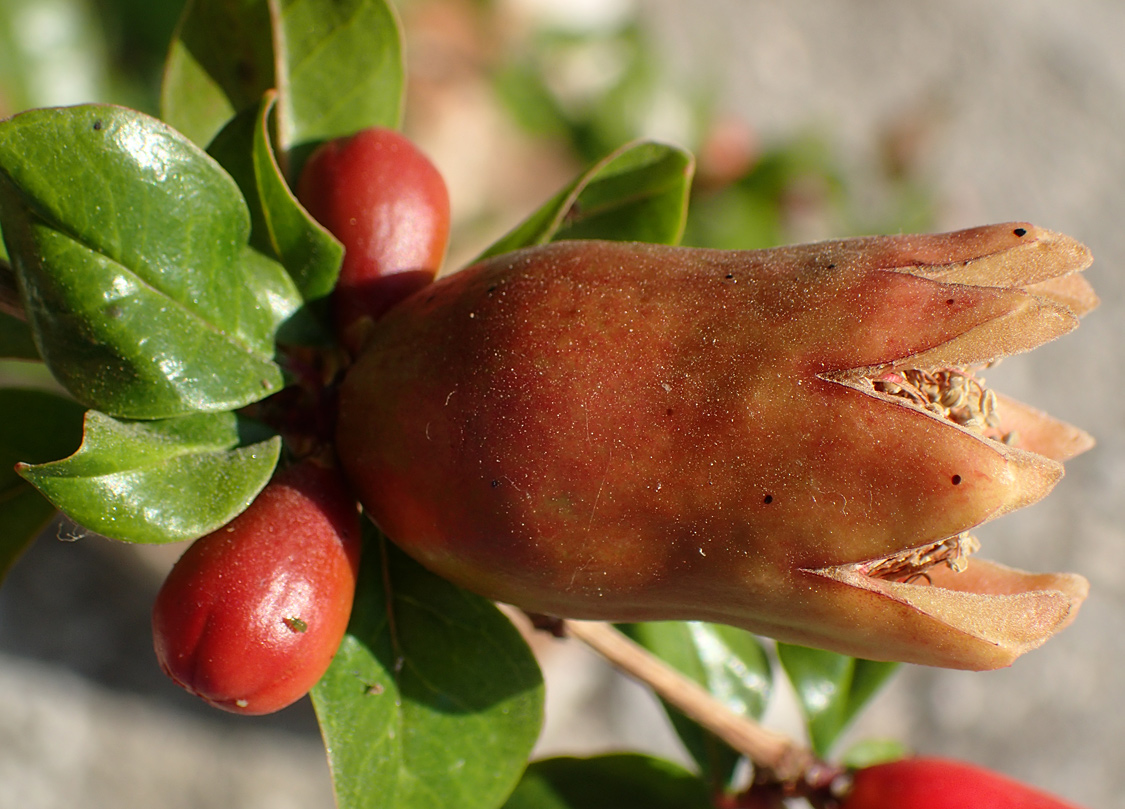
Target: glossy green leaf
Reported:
[(280, 226), (343, 71), (338, 65), (221, 61), (730, 663), (433, 701), (131, 246), (831, 688), (35, 426), (618, 781), (638, 193), (159, 481)]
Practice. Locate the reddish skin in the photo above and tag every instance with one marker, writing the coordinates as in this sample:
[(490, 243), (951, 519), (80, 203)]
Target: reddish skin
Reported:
[(389, 206), (251, 615), (633, 432), (934, 783)]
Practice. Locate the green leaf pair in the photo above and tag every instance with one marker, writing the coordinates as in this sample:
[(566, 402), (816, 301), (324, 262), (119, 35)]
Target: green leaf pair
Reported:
[(338, 64), (155, 287), (145, 300)]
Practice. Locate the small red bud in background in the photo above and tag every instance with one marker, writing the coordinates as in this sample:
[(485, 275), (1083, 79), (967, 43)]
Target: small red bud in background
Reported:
[(389, 206), (935, 783)]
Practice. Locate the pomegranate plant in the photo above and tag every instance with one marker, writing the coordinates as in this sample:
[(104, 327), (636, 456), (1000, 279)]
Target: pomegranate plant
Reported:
[(589, 422)]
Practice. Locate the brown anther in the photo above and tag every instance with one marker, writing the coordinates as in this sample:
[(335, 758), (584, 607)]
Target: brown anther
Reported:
[(954, 394), (913, 562)]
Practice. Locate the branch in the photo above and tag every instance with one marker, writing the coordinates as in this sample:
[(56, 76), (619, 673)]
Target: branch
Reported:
[(767, 749)]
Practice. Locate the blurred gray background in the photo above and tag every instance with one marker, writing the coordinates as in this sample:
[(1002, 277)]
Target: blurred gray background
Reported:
[(1019, 111)]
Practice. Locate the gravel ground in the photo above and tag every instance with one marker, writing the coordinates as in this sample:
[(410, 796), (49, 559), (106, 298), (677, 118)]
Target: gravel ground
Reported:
[(1026, 100)]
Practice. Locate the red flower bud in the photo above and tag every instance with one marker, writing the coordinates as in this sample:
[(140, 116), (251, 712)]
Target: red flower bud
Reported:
[(388, 205), (794, 441), (252, 614), (934, 783)]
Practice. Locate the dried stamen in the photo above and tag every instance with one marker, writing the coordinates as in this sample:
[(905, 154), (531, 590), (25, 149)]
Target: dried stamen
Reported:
[(950, 393), (913, 562)]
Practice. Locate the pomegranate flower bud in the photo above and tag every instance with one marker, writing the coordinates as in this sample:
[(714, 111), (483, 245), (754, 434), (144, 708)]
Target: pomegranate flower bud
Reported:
[(936, 783), (795, 441)]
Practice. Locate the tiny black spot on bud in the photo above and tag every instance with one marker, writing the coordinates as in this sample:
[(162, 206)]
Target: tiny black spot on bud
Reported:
[(730, 275), (1020, 231), (669, 411), (492, 289), (956, 480), (832, 266), (949, 301), (97, 126), (495, 484), (767, 499)]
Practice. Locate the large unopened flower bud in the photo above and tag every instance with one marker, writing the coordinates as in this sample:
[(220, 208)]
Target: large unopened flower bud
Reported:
[(795, 441)]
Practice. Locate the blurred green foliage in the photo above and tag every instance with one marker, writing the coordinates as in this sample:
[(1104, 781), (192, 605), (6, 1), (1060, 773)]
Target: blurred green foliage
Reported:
[(55, 52), (588, 88), (594, 89)]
